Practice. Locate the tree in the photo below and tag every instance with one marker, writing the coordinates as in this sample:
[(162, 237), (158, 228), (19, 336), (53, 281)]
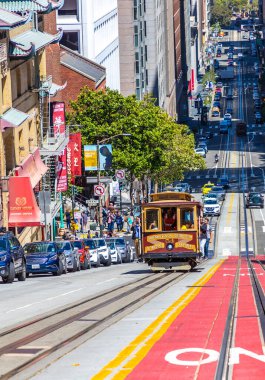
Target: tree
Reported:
[(221, 12), (157, 147)]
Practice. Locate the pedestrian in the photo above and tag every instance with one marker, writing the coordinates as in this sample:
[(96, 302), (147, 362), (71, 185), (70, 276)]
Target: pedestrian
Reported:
[(96, 217), (203, 237), (208, 239), (68, 219), (129, 223), (136, 236), (119, 221), (104, 216), (110, 220), (88, 234), (84, 220), (92, 214), (96, 234)]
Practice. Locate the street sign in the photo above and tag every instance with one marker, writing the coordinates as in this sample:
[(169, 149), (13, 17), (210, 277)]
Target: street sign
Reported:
[(99, 190), (95, 179), (120, 174), (92, 202)]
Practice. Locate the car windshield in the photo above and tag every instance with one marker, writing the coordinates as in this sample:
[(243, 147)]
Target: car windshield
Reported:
[(90, 244), (111, 244), (120, 241), (2, 245), (208, 186), (217, 188), (77, 244), (210, 202), (64, 245), (33, 248), (100, 243)]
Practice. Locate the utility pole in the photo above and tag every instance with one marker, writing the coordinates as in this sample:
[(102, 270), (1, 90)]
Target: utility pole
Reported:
[(73, 201)]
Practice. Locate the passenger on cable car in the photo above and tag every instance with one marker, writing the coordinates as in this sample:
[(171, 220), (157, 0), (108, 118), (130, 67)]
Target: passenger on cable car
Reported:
[(169, 220)]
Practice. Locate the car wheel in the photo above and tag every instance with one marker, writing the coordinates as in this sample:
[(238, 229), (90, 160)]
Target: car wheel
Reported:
[(23, 274), (64, 268), (27, 275), (108, 263), (98, 263), (120, 261), (11, 274), (74, 265), (85, 264), (60, 269)]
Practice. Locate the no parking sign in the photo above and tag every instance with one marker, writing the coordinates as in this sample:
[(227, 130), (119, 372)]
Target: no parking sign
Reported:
[(99, 190)]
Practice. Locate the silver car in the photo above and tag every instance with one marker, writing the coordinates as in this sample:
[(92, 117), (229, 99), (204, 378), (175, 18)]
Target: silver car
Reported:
[(124, 248), (71, 255)]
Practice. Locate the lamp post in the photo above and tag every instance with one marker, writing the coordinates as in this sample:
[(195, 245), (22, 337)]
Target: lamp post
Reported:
[(98, 173)]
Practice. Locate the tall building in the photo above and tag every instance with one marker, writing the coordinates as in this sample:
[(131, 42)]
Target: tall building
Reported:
[(91, 29), (147, 54)]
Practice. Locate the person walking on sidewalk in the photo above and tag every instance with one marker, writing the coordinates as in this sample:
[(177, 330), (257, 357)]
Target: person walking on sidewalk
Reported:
[(68, 219), (129, 223), (84, 220), (119, 221), (208, 239), (203, 237), (110, 221), (136, 236)]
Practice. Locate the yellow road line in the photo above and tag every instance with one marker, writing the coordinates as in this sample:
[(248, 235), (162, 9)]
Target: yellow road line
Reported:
[(143, 343), (230, 207)]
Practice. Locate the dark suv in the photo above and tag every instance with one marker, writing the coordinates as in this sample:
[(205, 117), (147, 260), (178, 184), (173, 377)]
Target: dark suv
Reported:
[(254, 199), (12, 258)]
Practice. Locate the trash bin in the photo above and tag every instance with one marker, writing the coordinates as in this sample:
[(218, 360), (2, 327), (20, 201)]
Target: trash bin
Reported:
[(93, 226)]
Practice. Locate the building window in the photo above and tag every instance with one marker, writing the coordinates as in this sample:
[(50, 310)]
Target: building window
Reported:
[(146, 77), (145, 51), (69, 8), (142, 56), (137, 68), (18, 80), (136, 36), (71, 40), (145, 28), (135, 10)]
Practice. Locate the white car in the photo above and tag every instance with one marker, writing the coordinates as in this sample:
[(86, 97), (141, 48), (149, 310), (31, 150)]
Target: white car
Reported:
[(212, 197), (93, 251), (227, 116), (200, 152), (211, 207), (104, 252), (114, 252)]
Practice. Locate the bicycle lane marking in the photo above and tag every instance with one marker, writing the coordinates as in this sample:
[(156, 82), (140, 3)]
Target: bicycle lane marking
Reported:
[(135, 352)]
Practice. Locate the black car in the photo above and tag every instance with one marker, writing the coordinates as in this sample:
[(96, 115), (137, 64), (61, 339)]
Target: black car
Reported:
[(254, 199), (12, 258)]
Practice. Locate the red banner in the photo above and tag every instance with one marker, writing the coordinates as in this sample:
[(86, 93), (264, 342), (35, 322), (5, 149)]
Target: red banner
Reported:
[(58, 118), (74, 156), (61, 172)]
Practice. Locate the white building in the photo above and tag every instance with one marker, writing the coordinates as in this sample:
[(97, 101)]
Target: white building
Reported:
[(91, 28)]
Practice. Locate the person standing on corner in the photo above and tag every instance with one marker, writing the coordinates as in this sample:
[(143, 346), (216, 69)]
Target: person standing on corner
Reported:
[(208, 239), (68, 219), (136, 236)]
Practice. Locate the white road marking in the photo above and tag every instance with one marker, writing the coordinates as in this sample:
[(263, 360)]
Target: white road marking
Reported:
[(103, 282), (226, 252), (43, 301)]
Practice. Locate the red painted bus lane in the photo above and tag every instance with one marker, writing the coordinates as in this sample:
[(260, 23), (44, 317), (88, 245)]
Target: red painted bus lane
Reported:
[(248, 334), (190, 347)]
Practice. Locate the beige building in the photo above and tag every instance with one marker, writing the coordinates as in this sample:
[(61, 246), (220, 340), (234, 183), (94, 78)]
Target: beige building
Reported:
[(22, 70)]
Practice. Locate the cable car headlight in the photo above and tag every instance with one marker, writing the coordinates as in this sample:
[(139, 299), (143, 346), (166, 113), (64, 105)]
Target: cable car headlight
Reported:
[(170, 246)]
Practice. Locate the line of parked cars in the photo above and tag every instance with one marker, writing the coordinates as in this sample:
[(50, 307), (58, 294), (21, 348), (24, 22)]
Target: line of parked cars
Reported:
[(59, 257)]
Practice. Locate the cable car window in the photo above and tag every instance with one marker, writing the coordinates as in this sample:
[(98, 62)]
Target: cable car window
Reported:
[(151, 219), (169, 219), (186, 218)]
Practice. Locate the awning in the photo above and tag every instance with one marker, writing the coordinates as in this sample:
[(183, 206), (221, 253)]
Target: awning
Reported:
[(23, 209), (32, 167), (12, 118)]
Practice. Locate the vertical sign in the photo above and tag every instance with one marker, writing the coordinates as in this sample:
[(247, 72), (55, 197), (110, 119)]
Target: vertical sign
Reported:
[(61, 172), (74, 156), (58, 118), (90, 156)]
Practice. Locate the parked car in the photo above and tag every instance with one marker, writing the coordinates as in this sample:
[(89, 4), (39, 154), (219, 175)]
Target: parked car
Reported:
[(203, 145), (219, 85), (209, 135), (93, 252), (45, 257), (84, 255), (215, 112), (211, 207), (229, 110), (104, 252), (71, 255), (185, 187), (212, 196), (217, 104), (217, 97), (200, 152), (123, 247), (12, 258), (254, 199), (258, 117), (114, 252), (219, 190)]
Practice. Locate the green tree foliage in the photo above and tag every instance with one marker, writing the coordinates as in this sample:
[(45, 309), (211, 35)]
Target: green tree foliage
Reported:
[(157, 147), (221, 12)]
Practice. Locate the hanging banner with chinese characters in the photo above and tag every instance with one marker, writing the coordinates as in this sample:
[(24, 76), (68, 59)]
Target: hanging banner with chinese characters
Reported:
[(74, 156), (57, 111), (61, 172)]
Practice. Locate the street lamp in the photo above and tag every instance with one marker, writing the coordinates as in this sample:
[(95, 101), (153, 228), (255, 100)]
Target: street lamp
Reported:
[(98, 173)]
